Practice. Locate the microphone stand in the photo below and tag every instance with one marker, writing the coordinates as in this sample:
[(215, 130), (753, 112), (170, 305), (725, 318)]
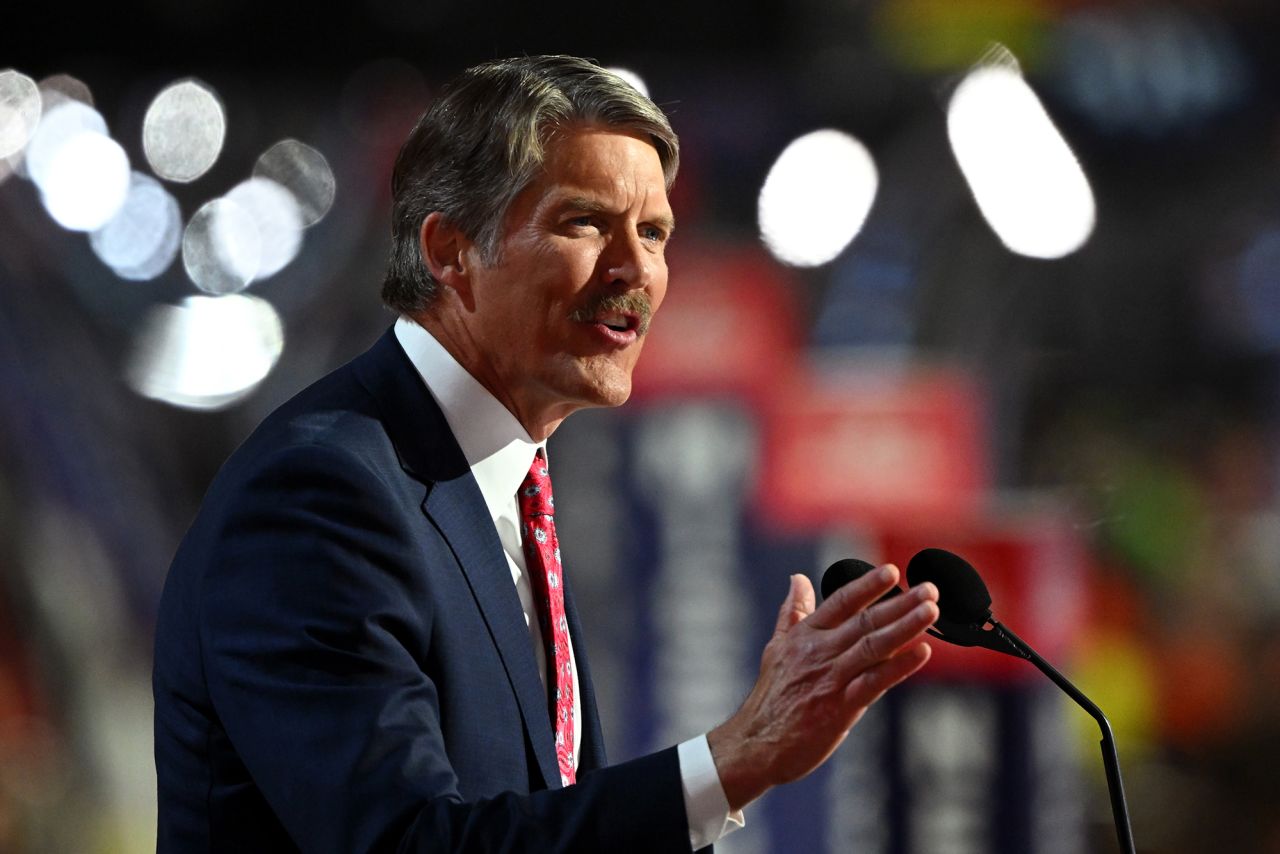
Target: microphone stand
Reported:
[(1110, 760)]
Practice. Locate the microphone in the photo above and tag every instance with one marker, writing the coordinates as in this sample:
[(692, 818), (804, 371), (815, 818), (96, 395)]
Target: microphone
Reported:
[(964, 607), (966, 599), (843, 571)]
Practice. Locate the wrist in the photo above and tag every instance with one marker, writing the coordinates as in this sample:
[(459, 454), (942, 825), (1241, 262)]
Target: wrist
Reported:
[(741, 774)]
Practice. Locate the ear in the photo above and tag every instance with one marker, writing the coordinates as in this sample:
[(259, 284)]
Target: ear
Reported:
[(447, 254)]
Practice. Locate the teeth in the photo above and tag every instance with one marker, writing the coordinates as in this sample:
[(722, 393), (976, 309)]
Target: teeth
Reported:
[(614, 321)]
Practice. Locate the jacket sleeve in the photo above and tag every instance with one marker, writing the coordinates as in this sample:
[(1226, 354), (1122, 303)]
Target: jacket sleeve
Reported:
[(314, 639)]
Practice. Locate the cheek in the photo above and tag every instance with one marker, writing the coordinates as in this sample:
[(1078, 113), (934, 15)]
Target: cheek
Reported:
[(581, 261), (658, 290)]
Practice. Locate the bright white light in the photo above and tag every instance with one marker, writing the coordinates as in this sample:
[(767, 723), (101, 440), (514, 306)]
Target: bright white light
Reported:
[(86, 182), (1025, 179), (279, 222), (816, 197), (636, 81), (221, 248), (19, 111), (303, 171), (141, 241), (207, 353), (60, 124), (183, 131)]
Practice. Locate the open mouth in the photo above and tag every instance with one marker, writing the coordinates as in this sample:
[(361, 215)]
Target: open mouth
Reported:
[(619, 321), (621, 318)]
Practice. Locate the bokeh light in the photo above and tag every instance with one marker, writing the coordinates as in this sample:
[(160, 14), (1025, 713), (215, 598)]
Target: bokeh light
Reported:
[(1112, 414), (636, 81), (85, 182), (276, 217), (221, 247), (1148, 69), (59, 125), (816, 197), (304, 172), (206, 353), (141, 241), (60, 88), (1257, 288), (19, 111), (1025, 179), (183, 131)]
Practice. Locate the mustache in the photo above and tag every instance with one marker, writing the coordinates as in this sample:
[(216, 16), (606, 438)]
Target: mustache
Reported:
[(631, 302)]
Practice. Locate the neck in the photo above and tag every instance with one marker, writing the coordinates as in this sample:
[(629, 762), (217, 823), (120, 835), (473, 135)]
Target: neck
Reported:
[(538, 422)]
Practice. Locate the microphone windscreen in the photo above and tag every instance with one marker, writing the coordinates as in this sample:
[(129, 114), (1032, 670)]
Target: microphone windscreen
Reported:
[(962, 596), (841, 573)]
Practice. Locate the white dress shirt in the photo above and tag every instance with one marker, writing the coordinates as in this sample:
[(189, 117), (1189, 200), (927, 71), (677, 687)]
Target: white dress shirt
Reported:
[(500, 452)]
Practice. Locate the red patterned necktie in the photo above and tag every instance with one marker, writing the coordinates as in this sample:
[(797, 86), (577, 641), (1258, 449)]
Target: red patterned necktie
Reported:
[(542, 556)]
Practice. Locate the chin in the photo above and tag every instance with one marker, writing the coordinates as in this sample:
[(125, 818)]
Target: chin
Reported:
[(611, 393), (607, 384)]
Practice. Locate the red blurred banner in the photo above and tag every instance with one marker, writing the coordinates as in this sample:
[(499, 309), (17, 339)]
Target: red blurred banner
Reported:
[(874, 446), (728, 327), (1035, 567)]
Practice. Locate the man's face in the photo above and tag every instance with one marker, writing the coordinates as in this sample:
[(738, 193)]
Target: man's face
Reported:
[(558, 320)]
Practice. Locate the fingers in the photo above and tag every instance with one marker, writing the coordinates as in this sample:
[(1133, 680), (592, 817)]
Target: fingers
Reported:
[(882, 614), (854, 596), (818, 674), (871, 684), (798, 604), (884, 644)]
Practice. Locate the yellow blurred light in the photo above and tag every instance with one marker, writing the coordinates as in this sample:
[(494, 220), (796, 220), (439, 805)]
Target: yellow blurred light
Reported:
[(1120, 674), (183, 131), (816, 197), (941, 35), (1024, 177)]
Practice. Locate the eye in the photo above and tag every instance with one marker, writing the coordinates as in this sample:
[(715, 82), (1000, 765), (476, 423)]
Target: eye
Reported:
[(583, 221), (653, 234)]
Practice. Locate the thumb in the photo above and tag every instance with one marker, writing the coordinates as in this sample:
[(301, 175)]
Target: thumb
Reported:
[(799, 603)]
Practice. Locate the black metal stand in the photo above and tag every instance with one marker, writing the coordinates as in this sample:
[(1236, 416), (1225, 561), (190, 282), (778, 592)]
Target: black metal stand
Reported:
[(1110, 760)]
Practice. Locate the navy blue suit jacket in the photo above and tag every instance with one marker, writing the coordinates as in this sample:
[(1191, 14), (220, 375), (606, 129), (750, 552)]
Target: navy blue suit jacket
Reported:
[(342, 663)]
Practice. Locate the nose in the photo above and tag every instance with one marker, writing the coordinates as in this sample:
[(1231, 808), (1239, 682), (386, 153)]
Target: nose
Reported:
[(630, 263)]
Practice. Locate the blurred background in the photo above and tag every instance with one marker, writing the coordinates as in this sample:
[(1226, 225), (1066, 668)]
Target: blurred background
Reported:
[(997, 276)]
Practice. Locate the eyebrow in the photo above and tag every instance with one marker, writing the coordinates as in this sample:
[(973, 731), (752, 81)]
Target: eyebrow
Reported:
[(582, 203)]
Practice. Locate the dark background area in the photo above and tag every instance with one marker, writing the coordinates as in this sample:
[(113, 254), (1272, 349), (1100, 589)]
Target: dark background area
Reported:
[(1132, 383)]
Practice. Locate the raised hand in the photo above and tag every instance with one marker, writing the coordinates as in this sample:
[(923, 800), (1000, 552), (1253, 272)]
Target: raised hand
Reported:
[(819, 672)]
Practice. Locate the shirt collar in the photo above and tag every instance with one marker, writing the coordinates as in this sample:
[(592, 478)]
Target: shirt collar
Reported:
[(496, 445)]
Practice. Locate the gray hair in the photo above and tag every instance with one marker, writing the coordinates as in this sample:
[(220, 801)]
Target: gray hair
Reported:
[(484, 141)]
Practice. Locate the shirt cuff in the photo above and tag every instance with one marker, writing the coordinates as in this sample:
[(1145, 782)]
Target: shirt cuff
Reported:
[(705, 803)]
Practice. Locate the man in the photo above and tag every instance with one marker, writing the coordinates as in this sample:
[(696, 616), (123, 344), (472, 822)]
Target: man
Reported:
[(364, 643)]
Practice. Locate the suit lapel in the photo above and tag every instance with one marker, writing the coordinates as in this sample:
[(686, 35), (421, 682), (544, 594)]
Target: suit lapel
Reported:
[(454, 505)]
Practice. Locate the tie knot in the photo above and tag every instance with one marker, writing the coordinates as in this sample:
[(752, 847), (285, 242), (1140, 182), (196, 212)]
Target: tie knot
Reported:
[(535, 492)]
